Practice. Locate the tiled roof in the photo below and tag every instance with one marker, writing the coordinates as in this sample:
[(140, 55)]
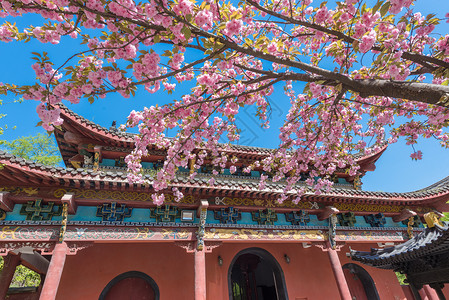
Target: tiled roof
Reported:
[(129, 137), (431, 241), (222, 182)]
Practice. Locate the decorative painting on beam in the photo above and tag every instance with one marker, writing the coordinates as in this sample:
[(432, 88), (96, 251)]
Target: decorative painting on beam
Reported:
[(302, 235), (20, 190), (89, 233), (12, 233)]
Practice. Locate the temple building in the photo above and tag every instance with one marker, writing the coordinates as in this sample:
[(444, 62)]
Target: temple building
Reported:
[(92, 235)]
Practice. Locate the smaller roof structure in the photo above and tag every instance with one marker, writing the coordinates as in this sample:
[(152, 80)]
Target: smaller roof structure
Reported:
[(424, 258)]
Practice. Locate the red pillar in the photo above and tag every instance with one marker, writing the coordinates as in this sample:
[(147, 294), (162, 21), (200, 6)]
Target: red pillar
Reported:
[(342, 285), (10, 262), (54, 272), (423, 294), (431, 293), (200, 274)]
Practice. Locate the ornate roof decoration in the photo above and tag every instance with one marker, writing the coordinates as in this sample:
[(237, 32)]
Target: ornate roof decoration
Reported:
[(424, 259), (430, 241)]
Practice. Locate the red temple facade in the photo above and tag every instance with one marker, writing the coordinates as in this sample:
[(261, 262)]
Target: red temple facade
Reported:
[(92, 235)]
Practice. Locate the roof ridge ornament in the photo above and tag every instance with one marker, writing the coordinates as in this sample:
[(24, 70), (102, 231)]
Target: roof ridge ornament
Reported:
[(433, 218)]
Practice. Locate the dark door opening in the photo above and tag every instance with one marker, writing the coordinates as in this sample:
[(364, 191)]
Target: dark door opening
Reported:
[(360, 283), (256, 277)]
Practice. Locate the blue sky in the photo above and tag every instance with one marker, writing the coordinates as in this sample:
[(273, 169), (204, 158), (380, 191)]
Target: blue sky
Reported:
[(395, 169)]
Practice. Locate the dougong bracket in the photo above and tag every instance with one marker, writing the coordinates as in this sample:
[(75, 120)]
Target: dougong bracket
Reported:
[(265, 217), (37, 211), (113, 212), (165, 214)]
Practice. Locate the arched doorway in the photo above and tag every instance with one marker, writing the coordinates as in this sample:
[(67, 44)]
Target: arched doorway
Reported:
[(129, 286), (360, 283), (254, 274)]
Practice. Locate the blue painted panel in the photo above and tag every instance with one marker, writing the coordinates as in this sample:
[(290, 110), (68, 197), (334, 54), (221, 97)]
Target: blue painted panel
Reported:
[(226, 172), (85, 213), (391, 223), (210, 218), (147, 165), (140, 215), (281, 220), (315, 222), (15, 215), (360, 222), (247, 219), (108, 162)]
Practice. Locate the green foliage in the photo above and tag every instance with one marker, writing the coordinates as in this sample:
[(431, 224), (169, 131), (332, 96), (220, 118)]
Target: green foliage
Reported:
[(401, 278), (23, 277), (40, 148), (446, 217)]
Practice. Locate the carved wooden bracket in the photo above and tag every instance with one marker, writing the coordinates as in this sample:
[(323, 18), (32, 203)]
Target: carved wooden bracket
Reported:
[(74, 247), (209, 246), (404, 215), (46, 248), (188, 246), (324, 247)]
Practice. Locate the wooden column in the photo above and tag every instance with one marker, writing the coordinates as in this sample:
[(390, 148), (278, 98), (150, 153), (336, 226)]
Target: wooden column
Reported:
[(53, 276), (342, 285), (11, 261), (437, 290), (423, 294), (430, 292), (200, 274)]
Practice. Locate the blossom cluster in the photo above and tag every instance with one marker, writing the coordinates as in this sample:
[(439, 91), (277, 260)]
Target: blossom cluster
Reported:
[(235, 57)]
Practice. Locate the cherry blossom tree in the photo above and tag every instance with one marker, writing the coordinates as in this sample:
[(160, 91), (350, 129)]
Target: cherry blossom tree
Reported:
[(349, 70)]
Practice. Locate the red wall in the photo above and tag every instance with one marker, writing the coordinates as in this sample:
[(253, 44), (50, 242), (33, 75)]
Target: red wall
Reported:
[(87, 273), (307, 276)]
